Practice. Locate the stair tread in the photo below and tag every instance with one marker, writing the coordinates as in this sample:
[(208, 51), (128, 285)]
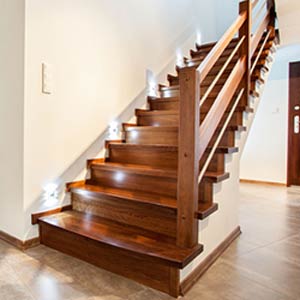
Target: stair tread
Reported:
[(137, 196), (226, 150), (134, 127), (136, 169), (125, 237), (205, 110), (216, 176), (221, 149), (206, 209)]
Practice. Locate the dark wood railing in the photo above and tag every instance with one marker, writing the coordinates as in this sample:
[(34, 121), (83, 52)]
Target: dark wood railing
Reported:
[(194, 137)]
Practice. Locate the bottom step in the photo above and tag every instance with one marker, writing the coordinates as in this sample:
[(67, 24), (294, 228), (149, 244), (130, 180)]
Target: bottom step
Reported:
[(144, 256)]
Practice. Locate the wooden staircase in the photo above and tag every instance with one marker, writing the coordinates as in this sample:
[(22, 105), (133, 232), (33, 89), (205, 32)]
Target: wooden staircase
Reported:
[(137, 214)]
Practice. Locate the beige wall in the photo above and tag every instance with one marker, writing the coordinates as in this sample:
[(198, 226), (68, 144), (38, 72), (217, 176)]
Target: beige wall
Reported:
[(11, 115), (99, 51)]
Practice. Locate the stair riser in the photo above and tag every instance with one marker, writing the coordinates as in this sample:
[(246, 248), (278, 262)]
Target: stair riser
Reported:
[(125, 263), (135, 182), (166, 93), (172, 119), (162, 137), (152, 137), (145, 216), (228, 140), (206, 192), (221, 61), (156, 158), (236, 120), (167, 105), (206, 82), (158, 120), (217, 164)]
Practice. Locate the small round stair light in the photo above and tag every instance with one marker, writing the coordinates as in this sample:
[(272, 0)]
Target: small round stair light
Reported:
[(51, 192), (113, 130), (199, 38), (151, 84), (179, 58), (119, 177)]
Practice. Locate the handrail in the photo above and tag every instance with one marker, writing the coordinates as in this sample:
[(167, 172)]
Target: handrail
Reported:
[(219, 48), (260, 52), (220, 135), (194, 136), (211, 87), (259, 33), (220, 105)]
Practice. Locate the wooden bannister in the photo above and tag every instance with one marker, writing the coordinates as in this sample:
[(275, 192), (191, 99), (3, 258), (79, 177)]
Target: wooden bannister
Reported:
[(188, 158), (194, 137)]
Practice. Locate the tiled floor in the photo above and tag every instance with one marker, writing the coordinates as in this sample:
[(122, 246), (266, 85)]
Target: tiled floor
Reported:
[(264, 263)]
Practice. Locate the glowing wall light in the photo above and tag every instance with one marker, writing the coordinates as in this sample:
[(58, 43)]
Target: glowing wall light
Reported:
[(151, 84), (199, 38), (51, 192), (179, 58), (113, 130)]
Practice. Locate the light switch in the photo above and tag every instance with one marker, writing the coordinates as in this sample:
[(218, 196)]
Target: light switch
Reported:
[(46, 78)]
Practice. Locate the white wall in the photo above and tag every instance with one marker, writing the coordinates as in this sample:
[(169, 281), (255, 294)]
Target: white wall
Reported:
[(99, 51), (265, 154), (11, 115), (289, 22), (226, 12)]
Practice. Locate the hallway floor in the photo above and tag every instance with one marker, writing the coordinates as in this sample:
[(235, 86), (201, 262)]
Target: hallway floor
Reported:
[(264, 263)]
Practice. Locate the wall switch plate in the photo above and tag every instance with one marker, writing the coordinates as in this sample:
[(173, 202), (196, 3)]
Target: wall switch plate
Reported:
[(46, 79)]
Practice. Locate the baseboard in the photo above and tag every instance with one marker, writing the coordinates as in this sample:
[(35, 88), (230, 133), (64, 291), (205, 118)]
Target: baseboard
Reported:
[(21, 245), (188, 283), (262, 182)]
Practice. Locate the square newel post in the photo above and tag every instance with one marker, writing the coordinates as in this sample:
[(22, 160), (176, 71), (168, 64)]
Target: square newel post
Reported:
[(188, 158), (246, 6)]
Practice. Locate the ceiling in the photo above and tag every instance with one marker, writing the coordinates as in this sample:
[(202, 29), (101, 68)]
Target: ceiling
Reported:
[(288, 12)]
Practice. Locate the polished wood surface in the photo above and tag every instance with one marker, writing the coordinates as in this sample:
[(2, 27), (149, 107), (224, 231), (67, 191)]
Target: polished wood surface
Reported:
[(35, 217), (21, 245), (188, 158), (137, 212)]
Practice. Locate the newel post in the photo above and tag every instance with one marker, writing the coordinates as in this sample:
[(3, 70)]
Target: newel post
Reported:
[(246, 48), (188, 158)]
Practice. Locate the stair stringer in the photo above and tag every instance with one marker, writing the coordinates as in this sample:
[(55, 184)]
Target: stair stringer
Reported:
[(224, 224)]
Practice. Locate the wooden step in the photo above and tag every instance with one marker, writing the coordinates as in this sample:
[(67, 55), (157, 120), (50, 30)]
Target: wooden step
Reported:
[(220, 62), (144, 256), (149, 135), (208, 46), (160, 135), (216, 177), (157, 117), (157, 156), (207, 82), (144, 210), (206, 209), (137, 178), (99, 192), (169, 118), (171, 103)]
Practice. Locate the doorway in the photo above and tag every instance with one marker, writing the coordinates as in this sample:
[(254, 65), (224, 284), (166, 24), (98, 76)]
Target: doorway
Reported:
[(293, 174)]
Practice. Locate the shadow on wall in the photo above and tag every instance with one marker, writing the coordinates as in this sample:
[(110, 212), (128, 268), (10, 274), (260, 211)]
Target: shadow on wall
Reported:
[(42, 202)]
